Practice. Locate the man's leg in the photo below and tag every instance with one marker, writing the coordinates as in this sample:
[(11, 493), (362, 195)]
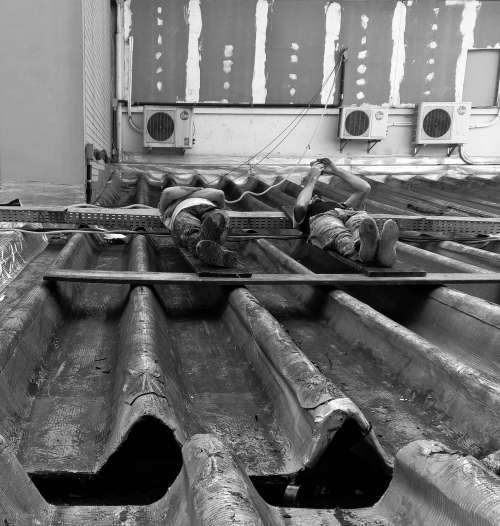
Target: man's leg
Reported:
[(215, 226), (186, 230), (364, 233), (329, 232), (386, 253)]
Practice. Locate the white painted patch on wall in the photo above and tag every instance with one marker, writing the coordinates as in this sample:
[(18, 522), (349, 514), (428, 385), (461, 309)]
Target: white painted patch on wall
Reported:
[(294, 58), (259, 91), (361, 69), (159, 10), (158, 55), (224, 101), (434, 27), (159, 85), (364, 21), (193, 59), (363, 40), (294, 46), (292, 91), (292, 76), (361, 82), (332, 24), (159, 21), (427, 93), (436, 11), (363, 54), (432, 44), (127, 19), (360, 95), (227, 85), (467, 25), (429, 77), (227, 65), (398, 53), (228, 50), (431, 61), (159, 40), (159, 70)]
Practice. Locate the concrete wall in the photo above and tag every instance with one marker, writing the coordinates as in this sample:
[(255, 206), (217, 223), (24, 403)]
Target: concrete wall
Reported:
[(283, 51), (98, 72), (41, 124), (242, 132)]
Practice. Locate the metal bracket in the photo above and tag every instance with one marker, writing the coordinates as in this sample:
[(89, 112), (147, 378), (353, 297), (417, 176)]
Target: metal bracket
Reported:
[(450, 149), (371, 145), (417, 148)]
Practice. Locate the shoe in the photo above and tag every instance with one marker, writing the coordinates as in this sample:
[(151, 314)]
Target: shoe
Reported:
[(386, 253), (212, 253), (215, 226), (368, 240)]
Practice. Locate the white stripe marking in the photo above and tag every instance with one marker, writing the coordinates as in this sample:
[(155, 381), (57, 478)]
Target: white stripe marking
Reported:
[(193, 59), (259, 91), (469, 16), (398, 53), (333, 17)]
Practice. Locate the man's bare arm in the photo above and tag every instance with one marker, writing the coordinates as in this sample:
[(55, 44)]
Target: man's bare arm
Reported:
[(360, 186), (305, 195)]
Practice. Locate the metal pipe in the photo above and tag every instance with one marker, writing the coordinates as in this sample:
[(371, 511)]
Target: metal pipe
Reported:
[(119, 75)]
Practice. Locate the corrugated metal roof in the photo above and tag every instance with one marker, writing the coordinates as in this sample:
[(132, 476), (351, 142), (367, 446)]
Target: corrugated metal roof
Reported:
[(178, 404)]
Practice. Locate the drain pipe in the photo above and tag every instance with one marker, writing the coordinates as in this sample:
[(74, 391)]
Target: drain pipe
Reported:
[(119, 42)]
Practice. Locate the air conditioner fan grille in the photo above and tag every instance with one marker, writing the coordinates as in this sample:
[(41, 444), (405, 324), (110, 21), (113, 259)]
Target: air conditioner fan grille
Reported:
[(160, 126), (436, 123), (357, 123)]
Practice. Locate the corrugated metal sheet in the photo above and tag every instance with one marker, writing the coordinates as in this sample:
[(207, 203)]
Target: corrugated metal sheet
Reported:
[(97, 72)]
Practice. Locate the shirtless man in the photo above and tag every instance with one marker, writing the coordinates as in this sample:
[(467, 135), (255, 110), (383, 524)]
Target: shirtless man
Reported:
[(344, 227), (197, 221)]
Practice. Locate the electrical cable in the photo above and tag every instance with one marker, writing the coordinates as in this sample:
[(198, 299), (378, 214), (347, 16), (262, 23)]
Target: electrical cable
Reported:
[(259, 194), (129, 94), (299, 116)]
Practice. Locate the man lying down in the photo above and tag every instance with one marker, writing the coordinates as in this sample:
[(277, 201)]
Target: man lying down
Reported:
[(197, 221), (344, 227)]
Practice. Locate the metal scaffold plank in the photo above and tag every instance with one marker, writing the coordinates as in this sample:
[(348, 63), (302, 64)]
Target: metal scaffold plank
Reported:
[(149, 219), (151, 278)]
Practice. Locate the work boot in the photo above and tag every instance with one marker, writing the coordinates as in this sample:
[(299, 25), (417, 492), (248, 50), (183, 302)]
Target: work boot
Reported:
[(212, 253), (215, 226), (368, 240), (386, 253)]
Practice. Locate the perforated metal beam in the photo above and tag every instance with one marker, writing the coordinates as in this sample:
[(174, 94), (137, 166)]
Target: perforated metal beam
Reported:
[(149, 220)]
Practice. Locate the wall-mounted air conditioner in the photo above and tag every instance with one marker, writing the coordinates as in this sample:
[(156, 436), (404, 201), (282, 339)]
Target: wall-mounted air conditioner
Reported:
[(168, 127), (442, 123), (367, 123)]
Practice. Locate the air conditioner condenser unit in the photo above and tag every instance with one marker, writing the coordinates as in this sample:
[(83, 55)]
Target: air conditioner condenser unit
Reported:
[(367, 123), (442, 123), (168, 127)]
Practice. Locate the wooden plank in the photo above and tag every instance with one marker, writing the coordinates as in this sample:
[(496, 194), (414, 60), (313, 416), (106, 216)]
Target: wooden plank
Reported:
[(150, 278), (204, 270), (399, 269)]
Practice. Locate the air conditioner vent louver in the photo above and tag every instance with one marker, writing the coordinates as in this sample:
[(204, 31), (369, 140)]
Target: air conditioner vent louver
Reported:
[(367, 123), (436, 123), (168, 127), (442, 123), (357, 123), (160, 126)]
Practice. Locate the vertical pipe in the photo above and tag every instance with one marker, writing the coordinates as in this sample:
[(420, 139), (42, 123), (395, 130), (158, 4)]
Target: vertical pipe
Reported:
[(119, 75)]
